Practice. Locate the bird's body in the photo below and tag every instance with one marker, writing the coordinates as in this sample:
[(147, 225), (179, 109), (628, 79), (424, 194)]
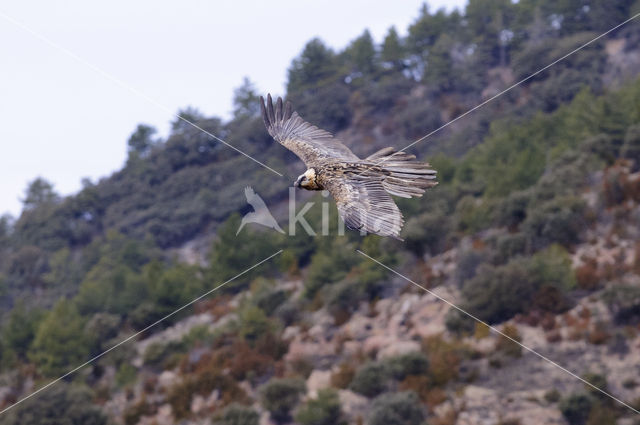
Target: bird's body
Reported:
[(362, 188)]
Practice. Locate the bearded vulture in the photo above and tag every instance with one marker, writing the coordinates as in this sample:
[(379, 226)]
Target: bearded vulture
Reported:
[(362, 188)]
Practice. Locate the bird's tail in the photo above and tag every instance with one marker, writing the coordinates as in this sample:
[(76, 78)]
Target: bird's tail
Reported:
[(406, 177)]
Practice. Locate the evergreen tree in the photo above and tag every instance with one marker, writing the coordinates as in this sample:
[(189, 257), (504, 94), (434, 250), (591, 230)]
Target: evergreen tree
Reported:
[(361, 55), (392, 49), (141, 140), (245, 100), (39, 192), (315, 64), (60, 343)]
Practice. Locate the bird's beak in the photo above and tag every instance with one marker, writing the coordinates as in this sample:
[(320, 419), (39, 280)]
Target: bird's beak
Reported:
[(298, 183)]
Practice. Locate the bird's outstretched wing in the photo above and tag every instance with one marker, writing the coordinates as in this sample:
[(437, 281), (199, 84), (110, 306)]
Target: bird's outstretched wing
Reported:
[(310, 143), (364, 204)]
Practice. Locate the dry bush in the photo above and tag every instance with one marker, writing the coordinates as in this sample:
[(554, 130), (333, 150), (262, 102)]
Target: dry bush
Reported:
[(247, 362), (587, 276), (419, 384), (444, 358), (553, 336), (506, 345), (343, 376), (598, 334)]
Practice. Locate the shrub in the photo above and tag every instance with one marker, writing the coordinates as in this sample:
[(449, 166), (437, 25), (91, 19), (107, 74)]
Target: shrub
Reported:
[(60, 342), (133, 413), (329, 265), (415, 363), (427, 233), (402, 408), (253, 324), (496, 294), (237, 414), (323, 410), (624, 303), (576, 408), (557, 221), (62, 405), (631, 146), (269, 299), (552, 396), (418, 118), (180, 395), (506, 345), (598, 381), (280, 397), (157, 353), (468, 263), (513, 209), (473, 214), (343, 376), (371, 379), (509, 246)]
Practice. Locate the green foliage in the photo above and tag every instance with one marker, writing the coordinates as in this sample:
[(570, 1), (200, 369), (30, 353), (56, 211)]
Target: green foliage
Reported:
[(427, 233), (126, 375), (414, 363), (330, 265), (371, 379), (245, 100), (158, 353), (631, 147), (280, 397), (392, 50), (557, 221), (253, 324), (314, 86), (60, 342), (18, 333), (266, 297), (61, 405), (102, 327), (498, 293), (401, 408), (323, 410), (141, 141), (624, 303), (39, 193), (361, 56), (232, 253), (237, 414), (576, 407)]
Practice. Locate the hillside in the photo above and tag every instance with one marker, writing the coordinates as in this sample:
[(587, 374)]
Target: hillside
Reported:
[(533, 229)]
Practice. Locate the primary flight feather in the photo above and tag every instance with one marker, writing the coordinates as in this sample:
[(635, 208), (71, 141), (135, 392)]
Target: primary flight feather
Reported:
[(362, 188)]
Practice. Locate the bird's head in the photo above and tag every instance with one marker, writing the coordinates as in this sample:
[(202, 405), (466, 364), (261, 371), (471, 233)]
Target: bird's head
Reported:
[(308, 180)]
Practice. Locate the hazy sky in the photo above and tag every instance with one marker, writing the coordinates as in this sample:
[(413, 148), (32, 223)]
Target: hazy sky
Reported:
[(63, 120)]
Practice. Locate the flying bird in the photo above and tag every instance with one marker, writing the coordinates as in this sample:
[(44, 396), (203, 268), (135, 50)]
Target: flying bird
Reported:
[(260, 215), (362, 188)]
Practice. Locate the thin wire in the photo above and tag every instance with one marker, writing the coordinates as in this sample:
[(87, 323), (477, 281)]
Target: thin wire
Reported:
[(500, 332), (136, 334), (509, 88), (128, 87)]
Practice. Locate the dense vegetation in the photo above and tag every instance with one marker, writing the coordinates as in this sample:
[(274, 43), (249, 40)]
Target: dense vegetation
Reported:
[(80, 273)]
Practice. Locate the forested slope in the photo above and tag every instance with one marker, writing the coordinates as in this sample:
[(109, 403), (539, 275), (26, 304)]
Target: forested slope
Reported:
[(533, 228)]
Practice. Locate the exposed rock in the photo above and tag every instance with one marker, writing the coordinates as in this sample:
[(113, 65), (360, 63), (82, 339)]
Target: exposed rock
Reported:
[(398, 348), (354, 406), (319, 379)]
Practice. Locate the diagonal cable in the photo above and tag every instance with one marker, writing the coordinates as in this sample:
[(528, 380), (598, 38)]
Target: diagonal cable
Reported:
[(128, 87), (136, 334), (509, 88), (500, 332)]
